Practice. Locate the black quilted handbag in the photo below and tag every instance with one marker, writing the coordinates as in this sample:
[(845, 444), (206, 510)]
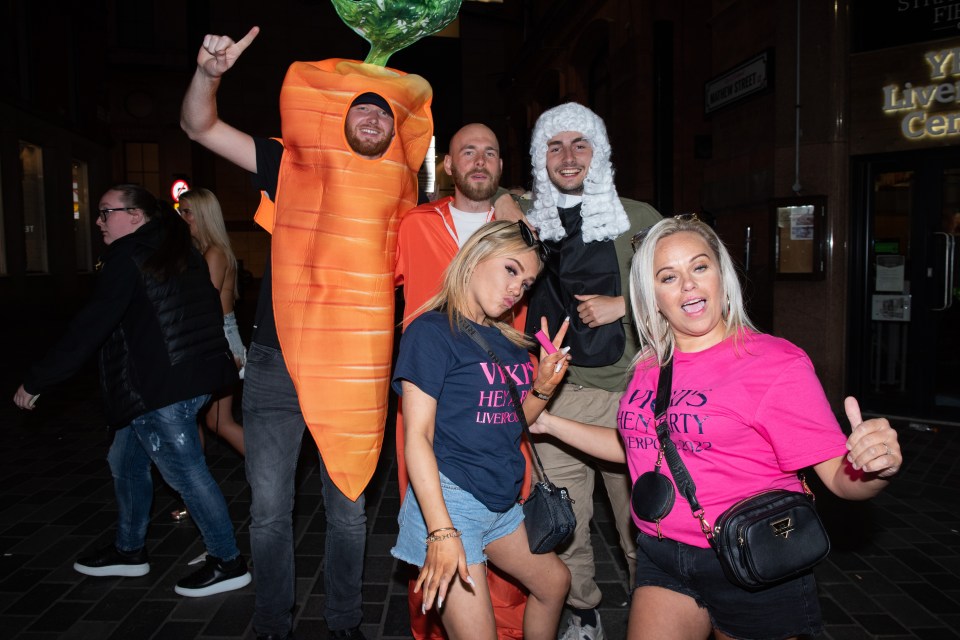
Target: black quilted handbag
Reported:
[(548, 516), (770, 538)]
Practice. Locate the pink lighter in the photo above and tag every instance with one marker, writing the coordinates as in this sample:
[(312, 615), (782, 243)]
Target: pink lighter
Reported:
[(545, 341)]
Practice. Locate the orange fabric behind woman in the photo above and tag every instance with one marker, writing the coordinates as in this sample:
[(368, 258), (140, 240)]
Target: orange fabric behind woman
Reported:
[(334, 244)]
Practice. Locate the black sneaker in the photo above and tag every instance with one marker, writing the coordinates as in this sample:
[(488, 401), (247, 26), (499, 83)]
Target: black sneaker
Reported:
[(110, 561), (349, 634), (215, 576)]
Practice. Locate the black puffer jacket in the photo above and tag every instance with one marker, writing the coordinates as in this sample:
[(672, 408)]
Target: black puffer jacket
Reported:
[(159, 342)]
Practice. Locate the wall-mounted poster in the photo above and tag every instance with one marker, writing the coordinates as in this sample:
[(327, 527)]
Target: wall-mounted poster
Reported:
[(798, 237)]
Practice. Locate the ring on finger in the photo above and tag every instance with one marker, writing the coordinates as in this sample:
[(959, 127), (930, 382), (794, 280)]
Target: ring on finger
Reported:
[(887, 448)]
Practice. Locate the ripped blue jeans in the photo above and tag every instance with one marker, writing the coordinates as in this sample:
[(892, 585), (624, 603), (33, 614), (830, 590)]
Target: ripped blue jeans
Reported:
[(168, 438)]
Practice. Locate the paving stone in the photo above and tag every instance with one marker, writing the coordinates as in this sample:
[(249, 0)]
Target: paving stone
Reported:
[(907, 611), (178, 631), (833, 614), (853, 598), (85, 630), (233, 616), (116, 605), (880, 624), (931, 598), (849, 632), (936, 633), (38, 598), (59, 617)]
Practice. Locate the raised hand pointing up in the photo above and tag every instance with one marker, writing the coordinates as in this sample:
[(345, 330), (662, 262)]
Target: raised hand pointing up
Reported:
[(218, 53)]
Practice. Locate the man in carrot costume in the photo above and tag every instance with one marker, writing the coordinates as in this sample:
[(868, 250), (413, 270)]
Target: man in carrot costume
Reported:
[(354, 136)]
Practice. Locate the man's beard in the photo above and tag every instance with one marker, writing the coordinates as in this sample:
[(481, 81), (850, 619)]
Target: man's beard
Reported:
[(473, 191), (369, 148)]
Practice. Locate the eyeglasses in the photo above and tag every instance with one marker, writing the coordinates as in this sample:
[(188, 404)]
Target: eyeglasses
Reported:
[(533, 241), (639, 236), (105, 213)]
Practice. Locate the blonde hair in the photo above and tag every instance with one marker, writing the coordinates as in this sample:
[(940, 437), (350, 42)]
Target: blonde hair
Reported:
[(656, 336), (492, 240), (210, 228)]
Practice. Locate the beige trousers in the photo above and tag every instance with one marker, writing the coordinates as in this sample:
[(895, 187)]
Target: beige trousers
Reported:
[(576, 471)]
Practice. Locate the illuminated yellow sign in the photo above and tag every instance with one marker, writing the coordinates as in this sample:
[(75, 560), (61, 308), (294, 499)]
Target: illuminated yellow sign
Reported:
[(917, 101)]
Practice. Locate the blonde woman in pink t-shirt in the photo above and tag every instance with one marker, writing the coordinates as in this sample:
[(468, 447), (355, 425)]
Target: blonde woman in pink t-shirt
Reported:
[(746, 413)]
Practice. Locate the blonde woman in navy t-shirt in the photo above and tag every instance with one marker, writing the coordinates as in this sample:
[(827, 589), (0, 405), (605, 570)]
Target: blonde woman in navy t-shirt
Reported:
[(462, 438), (746, 413)]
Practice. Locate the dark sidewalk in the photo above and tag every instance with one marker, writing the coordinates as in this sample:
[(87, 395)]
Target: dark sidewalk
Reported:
[(894, 571)]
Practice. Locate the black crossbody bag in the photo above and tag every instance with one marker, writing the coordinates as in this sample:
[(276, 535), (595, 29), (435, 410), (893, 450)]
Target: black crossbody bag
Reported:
[(762, 540), (548, 510)]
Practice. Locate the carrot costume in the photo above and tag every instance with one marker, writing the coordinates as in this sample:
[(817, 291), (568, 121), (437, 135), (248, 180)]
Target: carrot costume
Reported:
[(334, 224)]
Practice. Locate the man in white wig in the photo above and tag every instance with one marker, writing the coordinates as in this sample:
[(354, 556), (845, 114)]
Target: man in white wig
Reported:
[(587, 229)]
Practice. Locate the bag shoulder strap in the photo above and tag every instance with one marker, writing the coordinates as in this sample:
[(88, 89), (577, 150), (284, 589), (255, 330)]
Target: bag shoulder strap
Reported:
[(678, 469), (514, 392)]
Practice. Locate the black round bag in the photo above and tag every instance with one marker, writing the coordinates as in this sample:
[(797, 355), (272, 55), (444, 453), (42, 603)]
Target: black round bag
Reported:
[(653, 496)]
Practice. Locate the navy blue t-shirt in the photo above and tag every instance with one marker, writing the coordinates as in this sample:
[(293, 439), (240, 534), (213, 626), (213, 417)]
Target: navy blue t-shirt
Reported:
[(476, 435)]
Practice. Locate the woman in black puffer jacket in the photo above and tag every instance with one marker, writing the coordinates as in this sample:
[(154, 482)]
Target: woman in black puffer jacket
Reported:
[(155, 319)]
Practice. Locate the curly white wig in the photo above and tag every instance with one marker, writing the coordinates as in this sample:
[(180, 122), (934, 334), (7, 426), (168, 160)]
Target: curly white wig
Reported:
[(603, 215)]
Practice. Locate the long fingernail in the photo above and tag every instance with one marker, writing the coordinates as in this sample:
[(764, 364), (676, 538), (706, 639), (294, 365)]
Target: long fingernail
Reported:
[(470, 581), (565, 350), (423, 608), (567, 319), (439, 603)]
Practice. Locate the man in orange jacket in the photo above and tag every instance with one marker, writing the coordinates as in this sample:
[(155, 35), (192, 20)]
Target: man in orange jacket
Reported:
[(429, 237)]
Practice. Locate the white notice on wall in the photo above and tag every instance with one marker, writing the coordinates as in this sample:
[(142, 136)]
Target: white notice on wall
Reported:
[(890, 308), (890, 273), (801, 223)]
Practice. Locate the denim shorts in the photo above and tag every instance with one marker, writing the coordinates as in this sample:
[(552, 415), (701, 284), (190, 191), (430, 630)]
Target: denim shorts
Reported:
[(478, 525), (781, 611)]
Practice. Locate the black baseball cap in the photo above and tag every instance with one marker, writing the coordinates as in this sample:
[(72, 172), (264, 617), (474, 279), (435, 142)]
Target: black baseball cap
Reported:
[(374, 99)]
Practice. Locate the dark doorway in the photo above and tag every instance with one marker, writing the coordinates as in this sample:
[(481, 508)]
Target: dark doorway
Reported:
[(905, 314)]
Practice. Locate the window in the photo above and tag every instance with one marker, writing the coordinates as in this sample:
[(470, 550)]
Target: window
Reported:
[(81, 215), (143, 165), (35, 228)]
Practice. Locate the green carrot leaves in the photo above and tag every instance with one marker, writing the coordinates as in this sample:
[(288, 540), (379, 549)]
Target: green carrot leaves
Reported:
[(391, 25)]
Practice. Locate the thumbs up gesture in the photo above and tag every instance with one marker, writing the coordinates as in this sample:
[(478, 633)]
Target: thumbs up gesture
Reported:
[(873, 446)]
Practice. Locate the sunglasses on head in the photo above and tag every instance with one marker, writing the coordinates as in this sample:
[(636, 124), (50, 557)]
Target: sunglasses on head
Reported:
[(639, 236), (532, 241)]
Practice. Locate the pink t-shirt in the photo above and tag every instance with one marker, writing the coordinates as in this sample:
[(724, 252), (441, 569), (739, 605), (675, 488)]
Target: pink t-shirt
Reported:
[(744, 417)]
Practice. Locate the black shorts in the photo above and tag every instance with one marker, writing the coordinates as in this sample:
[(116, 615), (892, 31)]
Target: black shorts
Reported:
[(781, 611)]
